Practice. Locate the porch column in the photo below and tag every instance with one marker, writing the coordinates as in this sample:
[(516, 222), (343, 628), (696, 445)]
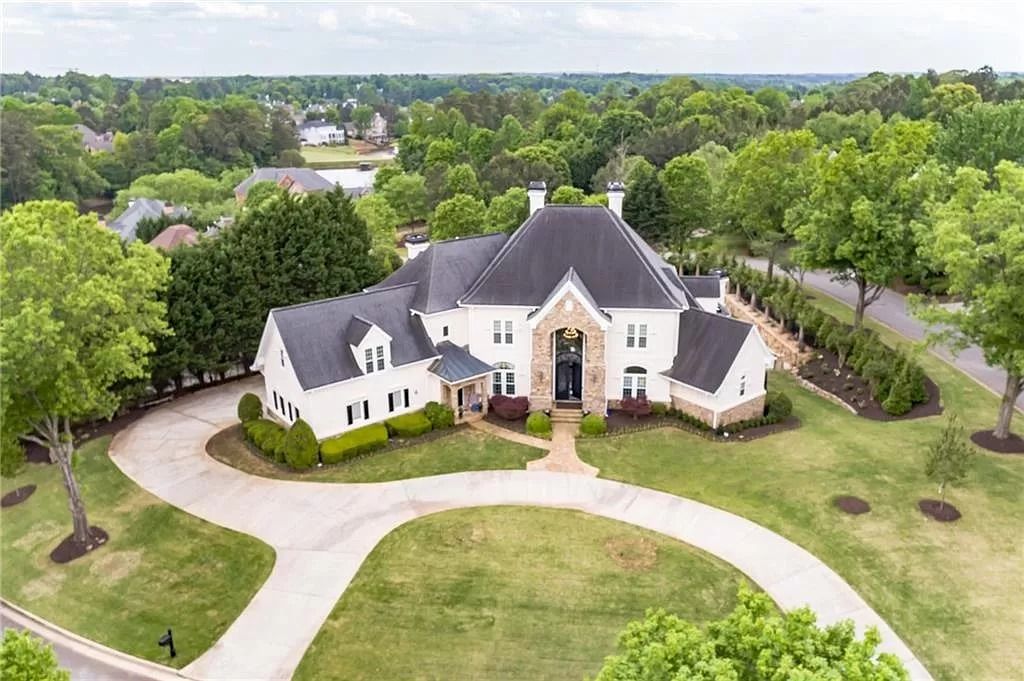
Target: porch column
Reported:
[(483, 397)]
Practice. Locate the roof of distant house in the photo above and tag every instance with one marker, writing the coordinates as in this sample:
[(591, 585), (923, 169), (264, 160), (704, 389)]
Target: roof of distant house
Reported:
[(174, 236), (94, 140), (141, 209), (445, 271), (307, 177), (706, 349), (316, 334), (317, 124)]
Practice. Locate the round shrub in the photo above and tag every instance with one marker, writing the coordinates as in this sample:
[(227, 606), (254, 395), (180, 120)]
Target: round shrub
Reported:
[(538, 423), (439, 415), (593, 424), (659, 408), (300, 446), (249, 408), (777, 406)]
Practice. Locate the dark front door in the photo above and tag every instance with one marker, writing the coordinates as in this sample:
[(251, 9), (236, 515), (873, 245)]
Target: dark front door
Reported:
[(568, 376)]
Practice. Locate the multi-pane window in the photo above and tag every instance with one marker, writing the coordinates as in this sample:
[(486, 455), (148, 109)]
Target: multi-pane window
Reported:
[(636, 335), (369, 360), (380, 358), (634, 382), (503, 381), (369, 363), (398, 399), (502, 332), (357, 411)]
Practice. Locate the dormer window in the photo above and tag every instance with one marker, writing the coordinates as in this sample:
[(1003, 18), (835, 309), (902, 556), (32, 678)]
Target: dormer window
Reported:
[(380, 358), (374, 359)]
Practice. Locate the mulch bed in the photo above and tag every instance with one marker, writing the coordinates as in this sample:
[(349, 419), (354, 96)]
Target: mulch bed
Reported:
[(620, 423), (852, 505), (15, 497), (986, 440), (516, 426), (855, 391), (936, 510), (69, 549)]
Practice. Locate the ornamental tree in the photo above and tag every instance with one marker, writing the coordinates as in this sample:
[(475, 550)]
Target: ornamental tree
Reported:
[(81, 310), (753, 642), (949, 458), (977, 238), (857, 221), (461, 215), (767, 177)]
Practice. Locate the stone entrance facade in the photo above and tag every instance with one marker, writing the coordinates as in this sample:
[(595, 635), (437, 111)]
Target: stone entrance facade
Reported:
[(569, 311)]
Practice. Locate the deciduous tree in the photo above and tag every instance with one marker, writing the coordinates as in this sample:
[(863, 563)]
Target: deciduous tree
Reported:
[(949, 458), (687, 186), (407, 195), (508, 211), (461, 215), (80, 310)]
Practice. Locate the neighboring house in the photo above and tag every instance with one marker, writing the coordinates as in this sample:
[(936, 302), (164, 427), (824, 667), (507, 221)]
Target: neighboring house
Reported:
[(354, 181), (378, 130), (319, 133), (93, 141), (174, 236), (141, 209), (573, 309)]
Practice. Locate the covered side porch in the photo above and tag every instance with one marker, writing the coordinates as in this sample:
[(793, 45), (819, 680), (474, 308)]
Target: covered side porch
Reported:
[(464, 381)]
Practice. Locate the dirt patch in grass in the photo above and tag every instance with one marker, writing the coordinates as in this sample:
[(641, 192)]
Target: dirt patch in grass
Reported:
[(113, 567), (852, 505), (987, 441), (856, 392), (17, 496), (69, 548), (936, 510), (40, 532), (635, 554), (43, 586)]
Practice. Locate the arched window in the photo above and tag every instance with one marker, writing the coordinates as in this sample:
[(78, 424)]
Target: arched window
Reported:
[(503, 380), (634, 382)]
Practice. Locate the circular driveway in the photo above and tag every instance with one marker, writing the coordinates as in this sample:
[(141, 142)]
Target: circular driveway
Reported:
[(322, 532)]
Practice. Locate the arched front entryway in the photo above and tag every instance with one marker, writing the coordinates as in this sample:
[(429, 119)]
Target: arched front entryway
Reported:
[(570, 344)]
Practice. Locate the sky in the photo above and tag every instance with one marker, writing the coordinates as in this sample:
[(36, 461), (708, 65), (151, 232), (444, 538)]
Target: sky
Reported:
[(271, 38)]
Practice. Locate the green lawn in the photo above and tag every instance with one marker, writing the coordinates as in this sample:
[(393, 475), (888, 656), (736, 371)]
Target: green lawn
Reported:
[(161, 568), (465, 450), (508, 593), (341, 152), (951, 591)]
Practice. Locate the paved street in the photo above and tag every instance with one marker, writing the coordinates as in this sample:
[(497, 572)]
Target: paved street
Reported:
[(322, 532), (891, 310)]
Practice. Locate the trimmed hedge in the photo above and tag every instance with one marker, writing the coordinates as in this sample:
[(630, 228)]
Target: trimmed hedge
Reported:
[(440, 415), (593, 424), (409, 425), (538, 423), (249, 408), (777, 406), (267, 436), (510, 408), (300, 448), (353, 443)]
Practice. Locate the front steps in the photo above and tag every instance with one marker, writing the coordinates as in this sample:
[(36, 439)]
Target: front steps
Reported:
[(570, 416)]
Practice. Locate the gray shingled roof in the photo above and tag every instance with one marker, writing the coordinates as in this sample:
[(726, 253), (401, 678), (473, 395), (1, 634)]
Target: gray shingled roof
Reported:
[(307, 177), (141, 209), (457, 364), (357, 330), (573, 276), (315, 334), (619, 268), (445, 271), (708, 345), (704, 286)]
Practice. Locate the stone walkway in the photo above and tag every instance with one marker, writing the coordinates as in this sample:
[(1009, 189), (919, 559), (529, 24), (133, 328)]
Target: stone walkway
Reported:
[(322, 532), (561, 448)]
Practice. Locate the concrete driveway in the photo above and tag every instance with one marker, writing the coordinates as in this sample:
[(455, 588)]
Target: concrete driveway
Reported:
[(322, 532)]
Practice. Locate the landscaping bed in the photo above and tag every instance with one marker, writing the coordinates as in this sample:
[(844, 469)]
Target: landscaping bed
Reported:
[(856, 391), (987, 441)]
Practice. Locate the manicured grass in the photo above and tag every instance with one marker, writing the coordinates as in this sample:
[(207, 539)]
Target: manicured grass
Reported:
[(161, 568), (951, 591), (465, 450), (341, 152), (508, 593)]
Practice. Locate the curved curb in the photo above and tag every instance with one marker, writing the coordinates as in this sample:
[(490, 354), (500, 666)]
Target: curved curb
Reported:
[(322, 533), (131, 666)]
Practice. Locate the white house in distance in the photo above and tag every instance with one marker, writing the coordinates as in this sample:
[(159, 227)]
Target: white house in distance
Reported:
[(573, 310), (320, 133)]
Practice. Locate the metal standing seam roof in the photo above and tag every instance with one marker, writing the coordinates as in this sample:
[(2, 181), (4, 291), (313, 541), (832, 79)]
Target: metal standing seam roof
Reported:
[(445, 271), (708, 345), (315, 334), (621, 271), (457, 364)]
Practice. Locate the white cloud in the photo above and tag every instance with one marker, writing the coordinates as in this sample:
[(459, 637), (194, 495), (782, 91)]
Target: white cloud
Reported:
[(235, 10), (19, 26), (328, 20), (382, 15)]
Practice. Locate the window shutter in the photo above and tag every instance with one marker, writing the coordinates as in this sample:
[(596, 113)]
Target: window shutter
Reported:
[(405, 395), (348, 409), (391, 401), (366, 409)]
